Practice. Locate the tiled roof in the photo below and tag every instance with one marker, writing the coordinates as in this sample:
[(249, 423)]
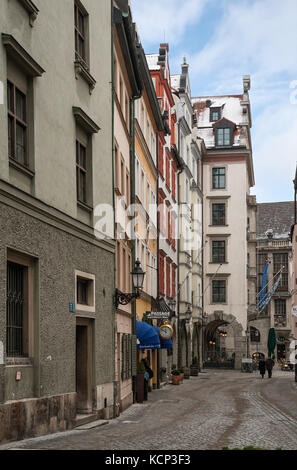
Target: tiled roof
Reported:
[(275, 216)]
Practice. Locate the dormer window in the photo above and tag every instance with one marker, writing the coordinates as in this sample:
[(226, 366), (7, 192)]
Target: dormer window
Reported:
[(215, 114), (223, 137)]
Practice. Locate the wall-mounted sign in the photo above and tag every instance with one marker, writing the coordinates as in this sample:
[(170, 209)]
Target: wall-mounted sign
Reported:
[(18, 375), (72, 307), (158, 315)]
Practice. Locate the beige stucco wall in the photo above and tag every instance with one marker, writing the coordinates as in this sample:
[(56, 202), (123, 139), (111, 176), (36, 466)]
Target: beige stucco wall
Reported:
[(51, 43), (235, 231)]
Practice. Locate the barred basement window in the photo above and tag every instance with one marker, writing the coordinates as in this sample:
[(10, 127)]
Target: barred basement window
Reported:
[(16, 313)]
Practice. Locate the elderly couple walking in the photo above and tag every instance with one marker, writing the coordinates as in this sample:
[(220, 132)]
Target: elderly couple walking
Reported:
[(263, 365)]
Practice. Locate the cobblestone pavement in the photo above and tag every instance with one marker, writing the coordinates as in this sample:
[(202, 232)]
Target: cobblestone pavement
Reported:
[(214, 410)]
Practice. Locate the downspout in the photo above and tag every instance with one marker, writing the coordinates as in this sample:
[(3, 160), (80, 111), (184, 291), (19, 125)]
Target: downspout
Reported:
[(133, 200), (178, 263), (114, 326)]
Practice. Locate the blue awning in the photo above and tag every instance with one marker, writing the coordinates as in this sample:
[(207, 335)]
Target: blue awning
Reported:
[(148, 338), (165, 343)]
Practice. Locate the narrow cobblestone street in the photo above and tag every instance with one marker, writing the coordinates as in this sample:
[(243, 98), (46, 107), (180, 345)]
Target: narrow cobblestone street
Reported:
[(209, 412)]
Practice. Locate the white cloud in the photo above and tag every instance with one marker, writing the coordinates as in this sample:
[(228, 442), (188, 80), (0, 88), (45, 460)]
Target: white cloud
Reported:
[(275, 151), (165, 21)]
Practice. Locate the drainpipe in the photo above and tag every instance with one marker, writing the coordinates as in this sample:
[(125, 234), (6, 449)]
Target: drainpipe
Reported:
[(132, 193), (115, 385)]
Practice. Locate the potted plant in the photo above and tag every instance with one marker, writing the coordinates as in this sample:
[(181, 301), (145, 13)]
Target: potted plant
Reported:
[(140, 382), (175, 377), (194, 369), (181, 371)]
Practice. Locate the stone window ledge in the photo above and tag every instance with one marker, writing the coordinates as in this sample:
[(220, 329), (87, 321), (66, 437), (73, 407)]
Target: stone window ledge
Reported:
[(84, 121), (21, 168), (85, 206), (32, 10), (80, 69), (18, 361), (21, 56)]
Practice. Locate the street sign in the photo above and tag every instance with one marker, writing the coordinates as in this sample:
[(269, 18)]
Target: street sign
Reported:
[(294, 310), (246, 360), (158, 315)]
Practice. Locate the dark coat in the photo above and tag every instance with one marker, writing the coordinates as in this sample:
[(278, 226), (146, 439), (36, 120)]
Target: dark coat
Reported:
[(269, 363), (262, 367)]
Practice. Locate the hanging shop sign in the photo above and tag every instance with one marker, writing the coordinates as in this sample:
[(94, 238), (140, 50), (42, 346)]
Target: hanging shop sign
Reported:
[(158, 315)]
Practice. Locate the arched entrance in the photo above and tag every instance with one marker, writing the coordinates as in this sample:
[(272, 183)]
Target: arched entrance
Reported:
[(224, 345)]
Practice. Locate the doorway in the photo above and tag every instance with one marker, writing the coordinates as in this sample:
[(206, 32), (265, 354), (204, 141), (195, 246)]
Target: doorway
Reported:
[(84, 365)]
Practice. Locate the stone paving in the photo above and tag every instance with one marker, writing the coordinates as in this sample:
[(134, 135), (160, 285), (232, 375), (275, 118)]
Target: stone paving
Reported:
[(215, 410)]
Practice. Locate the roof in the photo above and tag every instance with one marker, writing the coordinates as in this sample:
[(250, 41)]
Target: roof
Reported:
[(152, 61), (231, 109), (275, 216)]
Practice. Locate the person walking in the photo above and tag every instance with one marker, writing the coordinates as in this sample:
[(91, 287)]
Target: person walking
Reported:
[(262, 367), (147, 376), (269, 366)]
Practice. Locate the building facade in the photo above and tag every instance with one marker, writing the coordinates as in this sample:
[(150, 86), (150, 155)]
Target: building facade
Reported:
[(148, 123), (274, 248), (168, 166), (127, 88), (57, 272), (190, 285), (224, 124)]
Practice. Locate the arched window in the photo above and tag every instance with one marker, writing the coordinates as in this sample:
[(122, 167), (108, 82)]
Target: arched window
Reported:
[(255, 335)]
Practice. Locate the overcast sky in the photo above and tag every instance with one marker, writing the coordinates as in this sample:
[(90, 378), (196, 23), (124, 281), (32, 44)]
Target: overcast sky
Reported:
[(223, 40)]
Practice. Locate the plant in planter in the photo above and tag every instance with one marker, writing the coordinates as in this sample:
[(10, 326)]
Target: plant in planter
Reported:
[(181, 371), (140, 382), (194, 369), (175, 377)]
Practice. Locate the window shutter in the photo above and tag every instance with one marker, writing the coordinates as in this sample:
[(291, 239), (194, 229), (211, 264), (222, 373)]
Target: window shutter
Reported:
[(123, 356), (133, 355)]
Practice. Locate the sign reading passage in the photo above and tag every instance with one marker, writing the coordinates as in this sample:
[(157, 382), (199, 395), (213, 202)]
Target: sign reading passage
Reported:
[(158, 315)]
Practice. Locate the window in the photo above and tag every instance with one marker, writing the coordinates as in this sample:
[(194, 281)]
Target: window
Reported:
[(218, 214), (85, 291), (82, 291), (215, 114), (255, 335), (81, 172), (280, 261), (219, 291), (80, 33), (17, 124), (280, 307), (218, 252), (19, 306), (223, 136), (218, 178), (16, 304)]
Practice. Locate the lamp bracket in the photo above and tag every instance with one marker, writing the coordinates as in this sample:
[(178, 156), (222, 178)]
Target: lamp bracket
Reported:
[(122, 298)]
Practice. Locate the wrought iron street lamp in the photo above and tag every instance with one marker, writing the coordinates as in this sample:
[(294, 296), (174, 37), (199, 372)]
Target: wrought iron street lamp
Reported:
[(137, 279)]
